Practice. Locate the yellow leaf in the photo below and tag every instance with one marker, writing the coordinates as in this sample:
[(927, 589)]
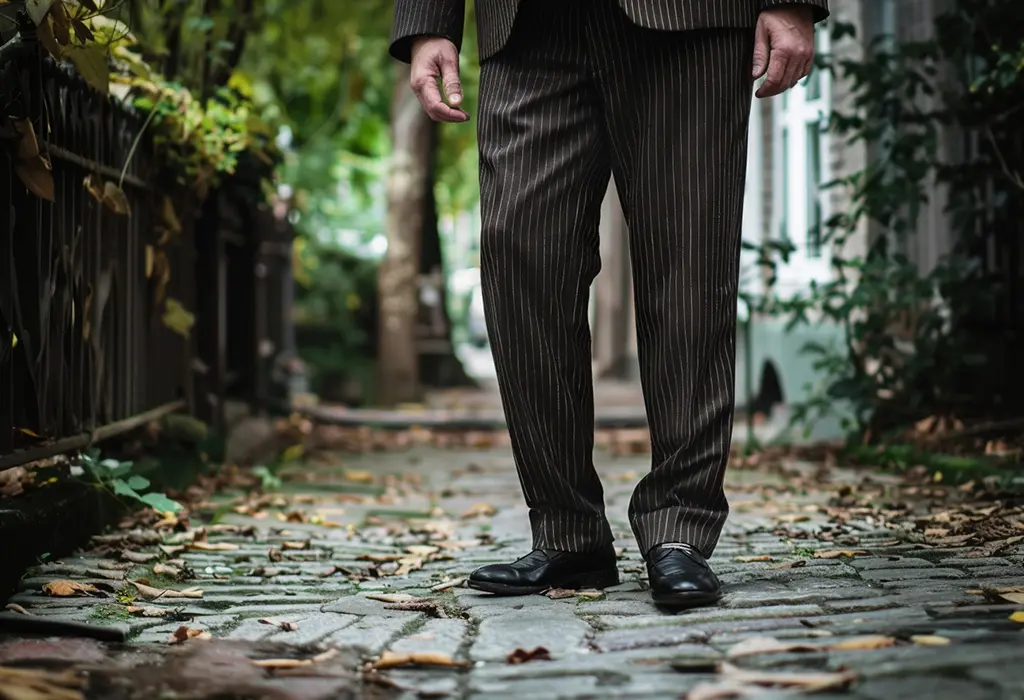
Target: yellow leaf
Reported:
[(14, 341), (91, 62), (1017, 616), (864, 643), (36, 176), (177, 318), (930, 640), (359, 477), (63, 588), (292, 454), (115, 199)]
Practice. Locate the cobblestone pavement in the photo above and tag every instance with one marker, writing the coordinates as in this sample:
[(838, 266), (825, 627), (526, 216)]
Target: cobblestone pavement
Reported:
[(367, 556)]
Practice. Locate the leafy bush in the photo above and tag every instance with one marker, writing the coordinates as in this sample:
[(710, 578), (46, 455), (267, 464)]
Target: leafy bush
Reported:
[(936, 342)]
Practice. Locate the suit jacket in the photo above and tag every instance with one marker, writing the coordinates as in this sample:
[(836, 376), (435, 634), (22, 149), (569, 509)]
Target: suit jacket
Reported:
[(414, 18)]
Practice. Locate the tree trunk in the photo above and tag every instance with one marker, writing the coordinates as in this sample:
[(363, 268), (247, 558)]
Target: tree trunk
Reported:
[(397, 279), (439, 366)]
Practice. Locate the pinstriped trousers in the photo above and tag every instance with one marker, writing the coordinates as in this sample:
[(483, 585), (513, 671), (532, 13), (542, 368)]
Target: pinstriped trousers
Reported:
[(579, 93)]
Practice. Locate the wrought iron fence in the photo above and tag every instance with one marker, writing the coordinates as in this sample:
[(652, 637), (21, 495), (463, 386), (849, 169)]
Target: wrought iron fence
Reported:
[(88, 348)]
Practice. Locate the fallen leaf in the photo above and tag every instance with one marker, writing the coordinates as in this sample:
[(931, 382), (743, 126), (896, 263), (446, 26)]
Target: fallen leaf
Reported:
[(747, 560), (296, 545), (480, 510), (837, 553), (14, 607), (212, 546), (766, 645), (183, 634), (393, 597), (167, 570), (171, 551), (359, 477), (283, 624), (390, 659), (154, 593), (143, 611), (33, 684), (521, 656), (1013, 597), (63, 588), (865, 643), (1017, 616), (448, 585), (930, 640), (808, 682), (283, 664), (139, 557), (275, 554)]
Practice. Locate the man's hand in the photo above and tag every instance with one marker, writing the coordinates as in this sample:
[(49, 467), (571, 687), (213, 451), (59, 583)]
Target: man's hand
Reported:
[(783, 48), (436, 58)]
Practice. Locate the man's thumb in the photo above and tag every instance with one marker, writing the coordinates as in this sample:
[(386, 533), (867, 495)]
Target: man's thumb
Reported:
[(761, 50), (450, 81)]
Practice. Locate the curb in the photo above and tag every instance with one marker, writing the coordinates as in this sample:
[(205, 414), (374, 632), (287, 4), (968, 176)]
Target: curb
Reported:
[(607, 419)]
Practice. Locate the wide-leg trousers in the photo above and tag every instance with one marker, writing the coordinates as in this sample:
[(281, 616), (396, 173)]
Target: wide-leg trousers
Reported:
[(579, 93)]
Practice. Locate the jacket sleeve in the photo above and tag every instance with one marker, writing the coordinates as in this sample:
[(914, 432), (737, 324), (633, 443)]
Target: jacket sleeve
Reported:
[(416, 18), (820, 7)]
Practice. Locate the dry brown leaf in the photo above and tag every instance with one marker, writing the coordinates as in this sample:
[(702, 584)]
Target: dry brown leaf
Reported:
[(63, 588), (480, 510), (930, 640), (447, 585), (296, 545), (36, 684), (422, 550), (161, 593), (866, 643), (359, 477), (837, 553), (521, 656), (807, 682), (283, 624), (171, 551), (284, 664), (393, 597), (139, 557), (183, 634), (390, 659), (212, 546), (275, 554), (766, 645), (748, 560), (143, 611), (167, 570)]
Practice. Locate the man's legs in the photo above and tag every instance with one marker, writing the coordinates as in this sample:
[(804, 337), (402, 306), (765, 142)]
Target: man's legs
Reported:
[(544, 168), (678, 106)]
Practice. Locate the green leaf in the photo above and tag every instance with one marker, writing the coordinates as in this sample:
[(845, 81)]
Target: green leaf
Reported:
[(160, 502), (139, 483), (91, 63), (121, 488)]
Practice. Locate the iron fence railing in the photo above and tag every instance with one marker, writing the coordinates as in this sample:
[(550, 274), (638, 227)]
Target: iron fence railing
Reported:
[(85, 351)]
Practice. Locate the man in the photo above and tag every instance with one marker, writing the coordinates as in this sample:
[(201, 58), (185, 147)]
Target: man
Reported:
[(656, 92)]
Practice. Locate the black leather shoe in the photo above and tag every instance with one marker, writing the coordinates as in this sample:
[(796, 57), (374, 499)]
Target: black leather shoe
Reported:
[(542, 569), (680, 577)]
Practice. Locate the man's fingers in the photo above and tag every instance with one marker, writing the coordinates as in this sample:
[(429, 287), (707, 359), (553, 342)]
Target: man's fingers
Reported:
[(450, 80), (761, 50), (429, 95), (778, 67)]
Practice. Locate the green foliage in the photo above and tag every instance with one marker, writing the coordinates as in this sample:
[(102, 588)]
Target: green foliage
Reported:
[(117, 476), (923, 342)]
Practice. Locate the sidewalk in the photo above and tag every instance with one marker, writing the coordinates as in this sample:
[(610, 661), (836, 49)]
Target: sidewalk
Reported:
[(365, 555)]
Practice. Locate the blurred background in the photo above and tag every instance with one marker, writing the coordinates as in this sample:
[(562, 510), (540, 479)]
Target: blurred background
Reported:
[(279, 225)]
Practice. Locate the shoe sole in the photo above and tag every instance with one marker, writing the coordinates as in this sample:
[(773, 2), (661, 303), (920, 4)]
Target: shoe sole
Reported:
[(682, 601), (594, 579)]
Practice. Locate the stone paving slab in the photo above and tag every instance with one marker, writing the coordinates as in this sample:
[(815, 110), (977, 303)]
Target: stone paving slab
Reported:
[(384, 578)]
